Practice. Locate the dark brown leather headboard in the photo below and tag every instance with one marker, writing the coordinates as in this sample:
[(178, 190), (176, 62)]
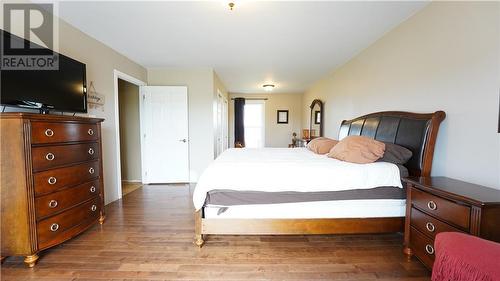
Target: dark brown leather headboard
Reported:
[(415, 131)]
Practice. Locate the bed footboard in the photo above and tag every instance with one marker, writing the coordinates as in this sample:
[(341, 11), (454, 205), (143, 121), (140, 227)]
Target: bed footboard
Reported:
[(205, 226)]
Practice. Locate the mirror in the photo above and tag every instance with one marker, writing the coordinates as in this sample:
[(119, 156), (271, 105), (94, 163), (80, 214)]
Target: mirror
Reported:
[(316, 120)]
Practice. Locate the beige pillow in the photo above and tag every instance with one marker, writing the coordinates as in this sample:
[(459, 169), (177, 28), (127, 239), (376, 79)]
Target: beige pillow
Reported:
[(321, 145), (358, 149)]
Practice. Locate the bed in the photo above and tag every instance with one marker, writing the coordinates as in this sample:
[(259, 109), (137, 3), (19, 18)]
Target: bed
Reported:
[(294, 191)]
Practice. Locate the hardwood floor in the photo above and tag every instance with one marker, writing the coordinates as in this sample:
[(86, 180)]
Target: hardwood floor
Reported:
[(148, 235), (128, 187)]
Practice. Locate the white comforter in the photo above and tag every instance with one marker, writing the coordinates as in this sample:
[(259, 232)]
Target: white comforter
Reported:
[(285, 169)]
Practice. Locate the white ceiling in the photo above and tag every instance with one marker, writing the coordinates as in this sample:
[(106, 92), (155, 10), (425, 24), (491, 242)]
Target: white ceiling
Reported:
[(290, 44)]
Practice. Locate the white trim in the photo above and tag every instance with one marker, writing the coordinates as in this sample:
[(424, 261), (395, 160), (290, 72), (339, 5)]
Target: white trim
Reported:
[(118, 74), (132, 181)]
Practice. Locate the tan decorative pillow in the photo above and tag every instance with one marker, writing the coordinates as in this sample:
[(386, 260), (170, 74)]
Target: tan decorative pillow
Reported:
[(321, 145), (358, 149)]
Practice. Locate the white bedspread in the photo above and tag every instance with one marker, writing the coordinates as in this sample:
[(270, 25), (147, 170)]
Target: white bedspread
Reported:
[(285, 169)]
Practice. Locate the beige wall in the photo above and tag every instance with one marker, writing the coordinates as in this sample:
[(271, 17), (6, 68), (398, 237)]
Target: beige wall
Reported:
[(200, 83), (277, 135), (101, 61), (445, 57), (130, 131)]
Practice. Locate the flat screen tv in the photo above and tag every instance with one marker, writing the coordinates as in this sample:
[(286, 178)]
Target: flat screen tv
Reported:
[(63, 89)]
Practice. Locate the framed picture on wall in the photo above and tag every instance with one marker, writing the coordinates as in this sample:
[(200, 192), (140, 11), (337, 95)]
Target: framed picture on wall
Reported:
[(282, 116), (317, 117)]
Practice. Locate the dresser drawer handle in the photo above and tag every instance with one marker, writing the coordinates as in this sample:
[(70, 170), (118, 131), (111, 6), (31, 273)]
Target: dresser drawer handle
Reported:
[(49, 133), (54, 227), (91, 171), (90, 132), (91, 151), (432, 205), (92, 189), (52, 204), (52, 180), (429, 249), (430, 227), (93, 208), (50, 156)]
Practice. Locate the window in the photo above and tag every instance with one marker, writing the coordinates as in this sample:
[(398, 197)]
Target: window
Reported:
[(254, 121)]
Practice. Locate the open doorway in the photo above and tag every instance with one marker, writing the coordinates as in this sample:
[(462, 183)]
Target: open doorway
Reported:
[(130, 136)]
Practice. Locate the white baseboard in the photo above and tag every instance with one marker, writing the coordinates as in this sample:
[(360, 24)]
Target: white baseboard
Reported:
[(131, 181)]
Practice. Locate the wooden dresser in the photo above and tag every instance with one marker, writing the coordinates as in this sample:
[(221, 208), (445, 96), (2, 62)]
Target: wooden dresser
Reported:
[(51, 181), (438, 204)]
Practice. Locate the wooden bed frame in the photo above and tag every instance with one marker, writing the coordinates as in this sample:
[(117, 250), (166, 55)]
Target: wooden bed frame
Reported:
[(416, 131)]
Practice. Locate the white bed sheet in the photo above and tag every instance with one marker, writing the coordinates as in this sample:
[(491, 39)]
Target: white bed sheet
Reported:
[(286, 169), (374, 208)]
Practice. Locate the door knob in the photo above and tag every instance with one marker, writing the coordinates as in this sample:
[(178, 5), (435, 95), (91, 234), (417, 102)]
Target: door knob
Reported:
[(183, 140)]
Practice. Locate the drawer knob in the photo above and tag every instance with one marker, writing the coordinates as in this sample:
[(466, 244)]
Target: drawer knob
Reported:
[(432, 205), (50, 156), (91, 151), (52, 180), (429, 249), (91, 171), (54, 227), (49, 133), (90, 132), (93, 208), (52, 204), (92, 189), (430, 227)]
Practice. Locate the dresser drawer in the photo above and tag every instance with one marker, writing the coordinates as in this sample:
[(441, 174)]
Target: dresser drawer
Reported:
[(52, 180), (46, 157), (423, 247), (52, 132), (449, 211), (63, 226), (66, 198), (429, 225)]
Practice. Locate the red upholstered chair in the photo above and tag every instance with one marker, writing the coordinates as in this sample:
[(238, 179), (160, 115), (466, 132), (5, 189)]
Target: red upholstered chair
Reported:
[(461, 257)]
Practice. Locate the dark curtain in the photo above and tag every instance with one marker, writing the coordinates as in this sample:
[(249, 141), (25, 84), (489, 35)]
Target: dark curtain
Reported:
[(239, 128)]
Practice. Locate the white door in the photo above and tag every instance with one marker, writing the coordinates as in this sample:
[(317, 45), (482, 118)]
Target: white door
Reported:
[(166, 142), (219, 129), (225, 126)]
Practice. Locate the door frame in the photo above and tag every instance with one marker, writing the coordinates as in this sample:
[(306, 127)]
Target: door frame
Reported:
[(123, 76)]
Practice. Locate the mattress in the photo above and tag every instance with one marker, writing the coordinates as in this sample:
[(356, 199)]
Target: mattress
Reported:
[(289, 170), (379, 208)]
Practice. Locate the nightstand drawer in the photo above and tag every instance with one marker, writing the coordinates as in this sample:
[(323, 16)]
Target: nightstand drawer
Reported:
[(429, 225), (423, 247), (448, 211)]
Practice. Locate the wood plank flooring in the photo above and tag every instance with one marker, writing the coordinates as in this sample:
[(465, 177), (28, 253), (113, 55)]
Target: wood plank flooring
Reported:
[(148, 235), (128, 187)]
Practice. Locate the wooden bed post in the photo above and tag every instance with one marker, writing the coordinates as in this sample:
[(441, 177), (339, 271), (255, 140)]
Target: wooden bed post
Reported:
[(198, 237)]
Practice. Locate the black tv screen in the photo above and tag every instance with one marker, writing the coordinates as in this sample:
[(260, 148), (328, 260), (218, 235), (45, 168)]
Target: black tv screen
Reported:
[(63, 89)]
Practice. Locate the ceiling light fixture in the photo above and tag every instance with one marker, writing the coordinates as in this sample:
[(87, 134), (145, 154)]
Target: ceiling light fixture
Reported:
[(268, 87), (231, 5)]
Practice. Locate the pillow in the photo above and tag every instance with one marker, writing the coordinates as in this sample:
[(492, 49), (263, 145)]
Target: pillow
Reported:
[(358, 149), (396, 154), (321, 145)]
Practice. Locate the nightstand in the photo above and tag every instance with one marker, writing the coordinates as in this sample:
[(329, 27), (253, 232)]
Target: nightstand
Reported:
[(439, 204)]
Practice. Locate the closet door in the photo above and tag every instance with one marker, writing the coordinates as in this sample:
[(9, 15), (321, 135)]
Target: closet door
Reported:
[(166, 140)]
